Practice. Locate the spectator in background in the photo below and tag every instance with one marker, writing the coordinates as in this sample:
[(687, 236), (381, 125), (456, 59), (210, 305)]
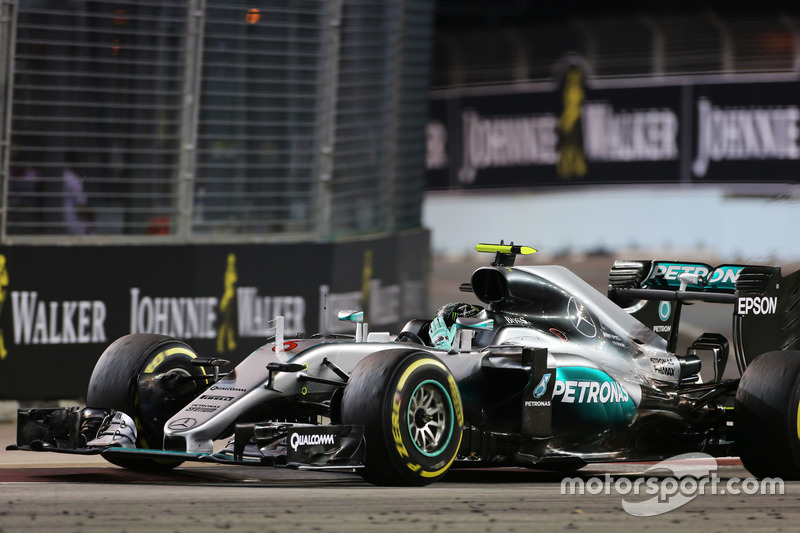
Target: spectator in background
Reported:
[(76, 212), (24, 194)]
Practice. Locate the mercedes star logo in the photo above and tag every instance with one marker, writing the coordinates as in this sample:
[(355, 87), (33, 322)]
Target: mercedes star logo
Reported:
[(580, 318), (182, 423)]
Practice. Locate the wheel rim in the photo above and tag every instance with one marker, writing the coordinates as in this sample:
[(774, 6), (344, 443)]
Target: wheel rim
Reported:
[(151, 399), (430, 417)]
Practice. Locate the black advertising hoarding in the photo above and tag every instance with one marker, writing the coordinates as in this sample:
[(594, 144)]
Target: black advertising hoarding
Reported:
[(61, 306), (584, 131), (746, 132)]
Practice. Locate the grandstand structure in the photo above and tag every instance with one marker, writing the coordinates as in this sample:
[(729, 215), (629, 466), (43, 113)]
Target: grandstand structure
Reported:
[(185, 121), (514, 41)]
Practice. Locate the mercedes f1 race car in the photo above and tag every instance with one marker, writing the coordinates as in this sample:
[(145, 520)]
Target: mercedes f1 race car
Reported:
[(546, 373)]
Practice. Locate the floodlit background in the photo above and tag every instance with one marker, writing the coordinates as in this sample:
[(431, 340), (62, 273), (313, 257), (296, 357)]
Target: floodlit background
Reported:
[(282, 154), (705, 75), (191, 121)]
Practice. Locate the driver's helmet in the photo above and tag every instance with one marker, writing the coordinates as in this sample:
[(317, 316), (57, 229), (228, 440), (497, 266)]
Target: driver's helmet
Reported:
[(442, 330)]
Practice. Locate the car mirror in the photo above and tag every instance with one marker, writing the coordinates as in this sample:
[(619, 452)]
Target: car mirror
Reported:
[(347, 315), (483, 324)]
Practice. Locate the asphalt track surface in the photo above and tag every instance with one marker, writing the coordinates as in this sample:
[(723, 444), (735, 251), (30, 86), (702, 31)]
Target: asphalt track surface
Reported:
[(54, 492), (64, 493)]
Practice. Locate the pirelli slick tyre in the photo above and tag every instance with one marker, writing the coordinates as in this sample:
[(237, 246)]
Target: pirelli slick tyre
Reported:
[(149, 377), (767, 415), (410, 407)]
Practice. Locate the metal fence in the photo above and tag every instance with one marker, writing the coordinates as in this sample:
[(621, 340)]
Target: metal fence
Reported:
[(212, 120), (636, 42)]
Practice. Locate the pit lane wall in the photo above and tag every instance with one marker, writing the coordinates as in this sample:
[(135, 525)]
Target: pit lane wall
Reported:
[(60, 306)]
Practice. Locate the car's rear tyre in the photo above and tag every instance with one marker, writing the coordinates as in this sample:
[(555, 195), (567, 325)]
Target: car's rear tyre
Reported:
[(766, 417), (410, 407), (150, 378)]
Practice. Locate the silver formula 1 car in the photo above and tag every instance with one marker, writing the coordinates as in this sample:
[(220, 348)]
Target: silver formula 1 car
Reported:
[(546, 373)]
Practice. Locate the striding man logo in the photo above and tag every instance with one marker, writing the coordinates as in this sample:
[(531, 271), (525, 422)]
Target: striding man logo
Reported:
[(226, 335), (3, 295), (571, 162)]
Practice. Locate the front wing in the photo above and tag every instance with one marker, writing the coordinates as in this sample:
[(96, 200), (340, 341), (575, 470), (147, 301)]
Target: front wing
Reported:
[(291, 445)]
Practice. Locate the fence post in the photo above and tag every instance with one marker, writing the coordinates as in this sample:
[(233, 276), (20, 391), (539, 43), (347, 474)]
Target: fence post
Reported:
[(8, 39), (396, 48), (327, 118), (187, 163)]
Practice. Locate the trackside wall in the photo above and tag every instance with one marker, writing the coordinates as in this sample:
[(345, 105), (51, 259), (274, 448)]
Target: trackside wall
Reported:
[(61, 306)]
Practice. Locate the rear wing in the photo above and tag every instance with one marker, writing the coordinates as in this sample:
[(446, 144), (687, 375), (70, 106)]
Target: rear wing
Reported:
[(766, 306), (673, 276)]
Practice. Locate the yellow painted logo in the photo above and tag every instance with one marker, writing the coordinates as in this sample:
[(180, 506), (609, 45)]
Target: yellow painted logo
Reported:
[(3, 295), (366, 282), (571, 162), (226, 335)]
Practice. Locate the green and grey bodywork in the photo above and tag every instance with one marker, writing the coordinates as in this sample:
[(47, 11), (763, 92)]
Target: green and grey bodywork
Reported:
[(562, 375)]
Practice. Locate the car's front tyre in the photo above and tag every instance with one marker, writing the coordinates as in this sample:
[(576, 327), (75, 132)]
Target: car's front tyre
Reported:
[(150, 378), (410, 407)]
